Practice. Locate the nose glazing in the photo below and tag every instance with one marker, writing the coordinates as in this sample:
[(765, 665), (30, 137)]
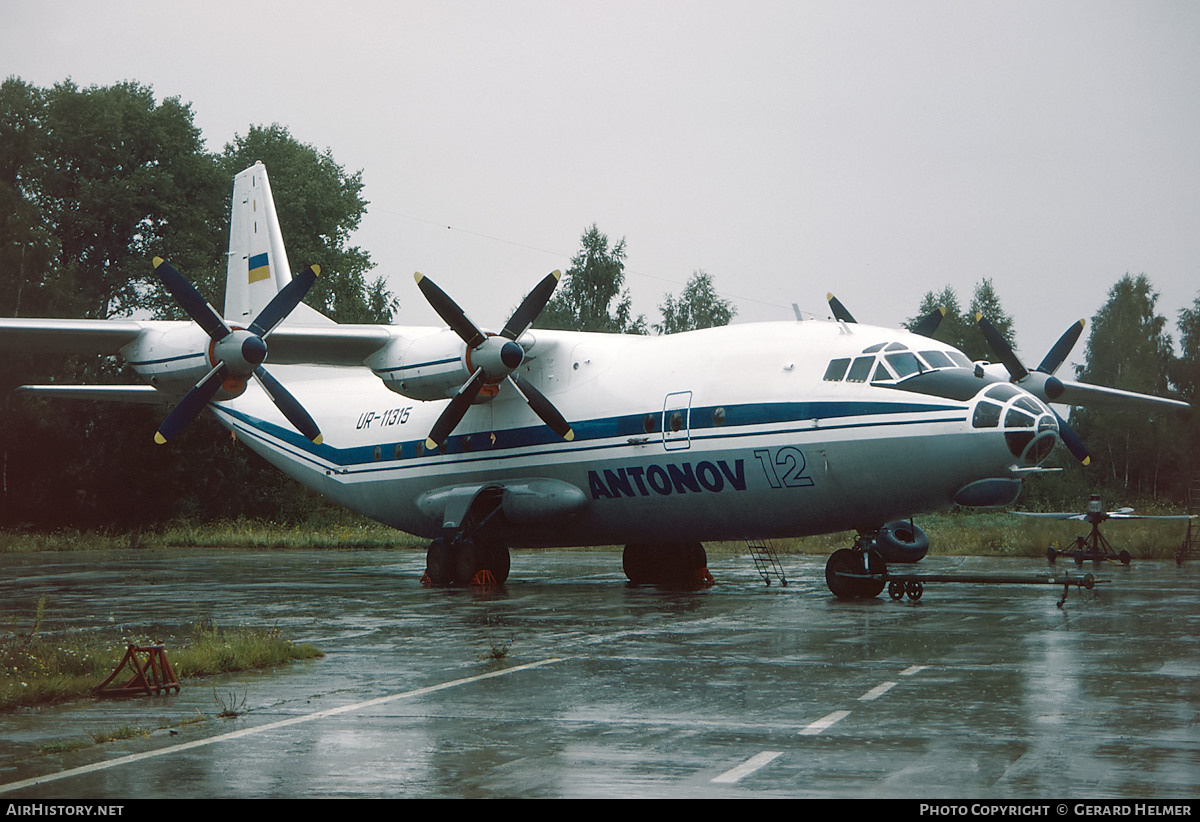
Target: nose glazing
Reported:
[(1029, 426)]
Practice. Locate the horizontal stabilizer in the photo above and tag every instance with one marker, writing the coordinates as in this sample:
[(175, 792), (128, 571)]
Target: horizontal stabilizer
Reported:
[(105, 393)]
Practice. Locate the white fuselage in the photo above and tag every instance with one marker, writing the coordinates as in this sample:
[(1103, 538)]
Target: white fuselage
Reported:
[(725, 433)]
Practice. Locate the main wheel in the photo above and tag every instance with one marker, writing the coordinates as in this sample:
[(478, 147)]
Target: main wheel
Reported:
[(439, 569)]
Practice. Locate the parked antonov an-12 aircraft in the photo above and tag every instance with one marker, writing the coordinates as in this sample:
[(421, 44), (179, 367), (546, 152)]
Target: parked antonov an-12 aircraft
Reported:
[(483, 441)]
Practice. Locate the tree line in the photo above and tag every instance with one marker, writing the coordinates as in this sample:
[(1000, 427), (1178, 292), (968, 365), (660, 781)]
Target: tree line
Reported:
[(95, 181)]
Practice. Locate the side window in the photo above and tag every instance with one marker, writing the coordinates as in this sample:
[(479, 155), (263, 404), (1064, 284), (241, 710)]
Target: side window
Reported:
[(837, 369)]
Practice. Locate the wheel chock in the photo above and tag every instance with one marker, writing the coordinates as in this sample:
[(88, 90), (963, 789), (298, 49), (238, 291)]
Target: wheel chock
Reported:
[(151, 673)]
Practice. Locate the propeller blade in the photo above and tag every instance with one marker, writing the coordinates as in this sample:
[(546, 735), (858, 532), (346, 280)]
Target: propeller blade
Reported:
[(1058, 353), (543, 408), (282, 303), (930, 322), (190, 300), (454, 412), (1002, 349), (839, 310), (287, 404), (532, 305), (191, 405), (1070, 439), (450, 313)]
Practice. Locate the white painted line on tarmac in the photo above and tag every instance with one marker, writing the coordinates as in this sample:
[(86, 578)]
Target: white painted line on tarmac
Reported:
[(270, 726), (748, 767), (878, 691), (824, 723), (914, 669)]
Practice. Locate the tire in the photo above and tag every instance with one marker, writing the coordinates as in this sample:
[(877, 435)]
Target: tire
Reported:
[(901, 542), (438, 567)]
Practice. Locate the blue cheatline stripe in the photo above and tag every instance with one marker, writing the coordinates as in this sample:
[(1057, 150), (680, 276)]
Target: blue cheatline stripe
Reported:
[(167, 359), (628, 426), (416, 365)]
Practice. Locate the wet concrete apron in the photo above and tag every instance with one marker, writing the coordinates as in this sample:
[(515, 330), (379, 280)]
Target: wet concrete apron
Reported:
[(567, 683)]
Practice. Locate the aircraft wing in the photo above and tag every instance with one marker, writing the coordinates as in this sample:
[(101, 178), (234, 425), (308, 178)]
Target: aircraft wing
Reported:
[(67, 336), (1121, 514), (290, 344), (328, 345), (1081, 393)]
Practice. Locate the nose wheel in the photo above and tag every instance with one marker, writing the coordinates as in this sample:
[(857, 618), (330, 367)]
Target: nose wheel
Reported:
[(855, 573)]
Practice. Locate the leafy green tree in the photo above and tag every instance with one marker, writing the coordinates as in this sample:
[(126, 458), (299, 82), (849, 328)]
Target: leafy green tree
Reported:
[(1185, 375), (1134, 452), (93, 183), (698, 306), (121, 178), (591, 297), (961, 330), (319, 206)]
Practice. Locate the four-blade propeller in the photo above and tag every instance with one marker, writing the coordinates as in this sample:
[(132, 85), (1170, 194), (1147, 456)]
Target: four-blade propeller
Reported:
[(493, 358), (1041, 381), (238, 352), (925, 326)]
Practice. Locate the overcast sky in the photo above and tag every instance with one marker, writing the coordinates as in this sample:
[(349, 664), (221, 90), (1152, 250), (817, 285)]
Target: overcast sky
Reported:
[(877, 150)]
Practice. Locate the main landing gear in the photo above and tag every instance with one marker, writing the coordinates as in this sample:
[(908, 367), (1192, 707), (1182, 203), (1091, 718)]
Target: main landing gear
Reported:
[(464, 561), (470, 554), (671, 564)]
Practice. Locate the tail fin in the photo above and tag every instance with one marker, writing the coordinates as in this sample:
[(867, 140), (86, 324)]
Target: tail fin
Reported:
[(258, 264)]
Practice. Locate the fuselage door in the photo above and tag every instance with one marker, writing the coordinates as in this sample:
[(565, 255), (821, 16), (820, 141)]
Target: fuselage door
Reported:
[(676, 421)]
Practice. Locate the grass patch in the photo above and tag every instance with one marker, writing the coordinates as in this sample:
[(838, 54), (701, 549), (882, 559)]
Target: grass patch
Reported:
[(37, 669), (344, 530)]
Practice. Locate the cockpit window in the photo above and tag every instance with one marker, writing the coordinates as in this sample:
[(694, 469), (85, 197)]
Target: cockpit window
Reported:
[(860, 369), (837, 369), (1003, 392), (904, 363), (897, 363), (937, 359)]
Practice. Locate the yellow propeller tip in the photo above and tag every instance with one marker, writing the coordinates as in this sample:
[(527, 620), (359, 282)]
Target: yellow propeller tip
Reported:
[(570, 435), (316, 269), (557, 274), (159, 438), (978, 316), (430, 445), (158, 261), (418, 276), (320, 438), (828, 296), (1087, 460), (942, 309)]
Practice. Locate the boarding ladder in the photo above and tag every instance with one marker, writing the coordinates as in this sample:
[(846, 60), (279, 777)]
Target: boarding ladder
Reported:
[(766, 561), (1191, 540)]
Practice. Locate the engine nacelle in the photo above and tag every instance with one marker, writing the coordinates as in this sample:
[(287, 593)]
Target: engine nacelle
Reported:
[(174, 358), (432, 367)]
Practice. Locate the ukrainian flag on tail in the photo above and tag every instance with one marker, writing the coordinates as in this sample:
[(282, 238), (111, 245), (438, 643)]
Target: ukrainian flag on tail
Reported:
[(260, 268)]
